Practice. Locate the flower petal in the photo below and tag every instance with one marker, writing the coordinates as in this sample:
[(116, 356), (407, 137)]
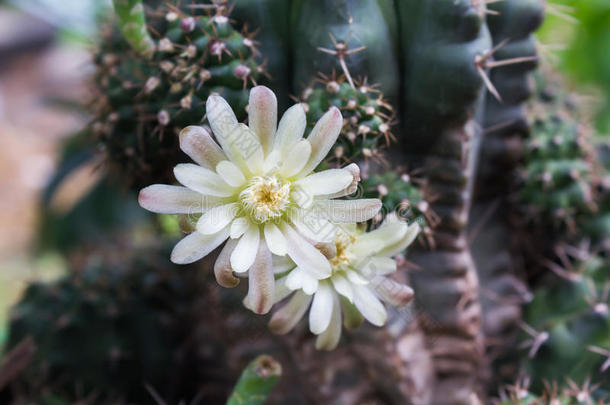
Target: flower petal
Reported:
[(296, 158), (285, 319), (388, 234), (321, 309), (351, 188), (343, 286), (369, 305), (262, 115), (282, 264), (310, 284), (217, 218), (165, 199), (230, 173), (322, 137), (349, 211), (281, 290), (373, 266), (329, 339), (272, 162), (202, 180), (291, 128), (261, 283), (195, 246), (222, 120), (249, 149), (198, 144), (246, 250), (239, 226), (222, 267), (294, 279), (392, 292), (313, 227), (325, 182), (399, 247), (275, 239), (304, 254)]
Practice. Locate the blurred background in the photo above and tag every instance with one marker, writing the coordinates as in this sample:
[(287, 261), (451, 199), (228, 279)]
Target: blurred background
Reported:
[(45, 48)]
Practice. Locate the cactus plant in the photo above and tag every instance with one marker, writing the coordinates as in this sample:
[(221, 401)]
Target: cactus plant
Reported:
[(146, 97), (110, 327)]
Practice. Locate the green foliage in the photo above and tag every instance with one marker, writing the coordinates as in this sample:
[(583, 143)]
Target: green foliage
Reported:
[(256, 382), (145, 102)]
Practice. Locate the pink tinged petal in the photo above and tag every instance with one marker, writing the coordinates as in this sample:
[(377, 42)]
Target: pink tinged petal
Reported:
[(296, 158), (262, 115), (165, 199), (291, 128), (399, 247), (304, 254), (230, 173), (275, 239), (321, 309), (222, 268), (369, 305), (313, 227), (325, 182), (343, 286), (202, 180), (217, 218), (246, 250), (281, 290), (349, 211), (329, 339), (352, 187), (239, 226), (392, 292), (286, 318), (322, 137), (195, 246), (261, 283), (198, 144)]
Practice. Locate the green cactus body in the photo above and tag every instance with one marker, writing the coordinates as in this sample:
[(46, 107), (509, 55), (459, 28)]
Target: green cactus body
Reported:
[(110, 328), (256, 382), (575, 315), (132, 23), (145, 102), (368, 23), (442, 41)]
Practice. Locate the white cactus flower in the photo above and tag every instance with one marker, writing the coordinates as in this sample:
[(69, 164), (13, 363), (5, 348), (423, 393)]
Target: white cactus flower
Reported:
[(256, 187), (360, 263)]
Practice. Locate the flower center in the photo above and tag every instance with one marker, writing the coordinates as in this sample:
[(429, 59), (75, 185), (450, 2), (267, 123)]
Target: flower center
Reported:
[(265, 198), (342, 258)]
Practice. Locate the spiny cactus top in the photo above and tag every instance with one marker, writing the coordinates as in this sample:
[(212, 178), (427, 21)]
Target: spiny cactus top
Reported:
[(258, 189), (146, 96)]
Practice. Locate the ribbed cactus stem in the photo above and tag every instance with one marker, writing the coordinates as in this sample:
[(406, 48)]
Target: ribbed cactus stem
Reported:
[(132, 23), (256, 382)]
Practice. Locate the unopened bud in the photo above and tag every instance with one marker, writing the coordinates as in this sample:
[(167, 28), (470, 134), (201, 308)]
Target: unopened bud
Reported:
[(163, 117), (188, 24)]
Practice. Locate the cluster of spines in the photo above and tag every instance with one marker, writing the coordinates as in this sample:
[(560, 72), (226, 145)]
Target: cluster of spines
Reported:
[(558, 187), (144, 102), (367, 118), (571, 394)]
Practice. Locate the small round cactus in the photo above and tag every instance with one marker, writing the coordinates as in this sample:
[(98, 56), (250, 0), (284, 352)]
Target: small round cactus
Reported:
[(143, 100), (367, 118)]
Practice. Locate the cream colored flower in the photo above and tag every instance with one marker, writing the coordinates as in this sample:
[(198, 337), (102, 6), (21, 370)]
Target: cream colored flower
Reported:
[(256, 187), (360, 261)]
